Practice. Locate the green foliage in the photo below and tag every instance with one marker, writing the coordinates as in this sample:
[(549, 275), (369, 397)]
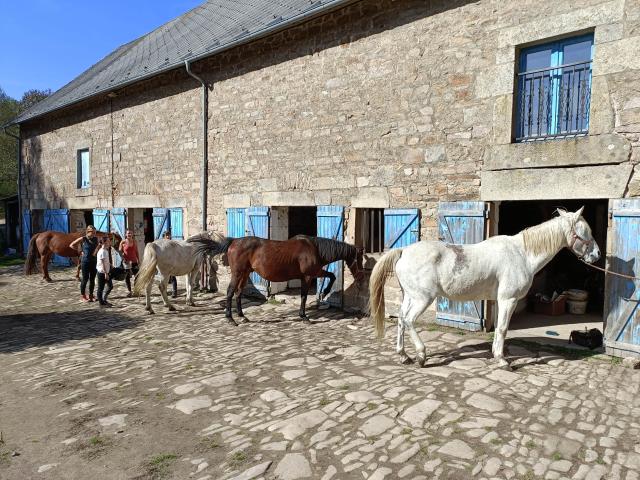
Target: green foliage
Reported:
[(9, 109)]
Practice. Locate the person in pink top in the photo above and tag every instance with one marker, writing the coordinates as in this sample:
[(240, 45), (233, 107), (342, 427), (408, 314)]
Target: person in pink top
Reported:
[(130, 257)]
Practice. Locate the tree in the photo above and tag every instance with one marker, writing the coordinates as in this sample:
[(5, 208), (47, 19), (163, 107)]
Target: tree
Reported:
[(9, 109)]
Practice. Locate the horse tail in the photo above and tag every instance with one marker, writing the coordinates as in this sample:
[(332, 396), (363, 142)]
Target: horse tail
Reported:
[(381, 271), (32, 256), (204, 244), (147, 269)]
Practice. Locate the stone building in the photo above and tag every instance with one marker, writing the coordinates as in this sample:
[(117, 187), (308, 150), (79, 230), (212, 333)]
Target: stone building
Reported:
[(403, 119)]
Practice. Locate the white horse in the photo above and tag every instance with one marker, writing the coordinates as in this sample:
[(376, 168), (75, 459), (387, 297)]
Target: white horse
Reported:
[(168, 258), (500, 268)]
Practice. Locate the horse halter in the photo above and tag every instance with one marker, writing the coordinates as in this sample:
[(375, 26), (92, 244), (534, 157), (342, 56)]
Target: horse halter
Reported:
[(577, 238)]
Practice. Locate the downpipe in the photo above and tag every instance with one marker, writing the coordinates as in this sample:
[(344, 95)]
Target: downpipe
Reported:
[(19, 161)]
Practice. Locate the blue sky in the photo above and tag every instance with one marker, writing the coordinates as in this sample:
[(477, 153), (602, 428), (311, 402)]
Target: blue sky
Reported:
[(47, 43)]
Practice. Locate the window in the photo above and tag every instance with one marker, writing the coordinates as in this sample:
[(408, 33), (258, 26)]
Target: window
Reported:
[(554, 89), (371, 229), (83, 169)]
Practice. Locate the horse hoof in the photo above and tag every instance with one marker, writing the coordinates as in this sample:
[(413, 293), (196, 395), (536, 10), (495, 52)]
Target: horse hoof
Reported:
[(151, 312), (406, 360), (245, 320), (502, 364), (231, 321), (48, 280), (421, 360), (305, 319)]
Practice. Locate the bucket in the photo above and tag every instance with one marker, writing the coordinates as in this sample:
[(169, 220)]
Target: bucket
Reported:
[(577, 307), (577, 295)]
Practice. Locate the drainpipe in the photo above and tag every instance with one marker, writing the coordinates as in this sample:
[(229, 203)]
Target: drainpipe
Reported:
[(205, 154), (19, 161)]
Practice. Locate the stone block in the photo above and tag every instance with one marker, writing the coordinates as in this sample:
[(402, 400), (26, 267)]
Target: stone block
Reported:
[(601, 114), (589, 150), (371, 197), (616, 56), (236, 200), (298, 199), (495, 81), (606, 181)]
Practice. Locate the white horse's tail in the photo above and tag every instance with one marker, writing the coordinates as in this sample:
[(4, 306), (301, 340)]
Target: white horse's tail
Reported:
[(381, 271), (147, 270)]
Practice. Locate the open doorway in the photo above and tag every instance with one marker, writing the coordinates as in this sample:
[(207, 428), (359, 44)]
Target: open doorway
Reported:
[(147, 221), (565, 272), (302, 221)]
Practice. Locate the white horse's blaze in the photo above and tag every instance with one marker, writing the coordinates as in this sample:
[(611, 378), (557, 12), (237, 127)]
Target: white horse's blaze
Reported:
[(500, 268), (168, 258)]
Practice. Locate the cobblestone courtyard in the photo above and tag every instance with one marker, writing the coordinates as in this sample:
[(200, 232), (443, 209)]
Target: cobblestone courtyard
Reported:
[(117, 394)]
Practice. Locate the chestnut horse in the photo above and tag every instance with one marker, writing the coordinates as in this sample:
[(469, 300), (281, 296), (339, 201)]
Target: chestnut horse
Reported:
[(46, 244), (300, 257)]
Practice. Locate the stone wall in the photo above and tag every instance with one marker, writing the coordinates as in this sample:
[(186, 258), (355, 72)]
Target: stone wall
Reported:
[(380, 104)]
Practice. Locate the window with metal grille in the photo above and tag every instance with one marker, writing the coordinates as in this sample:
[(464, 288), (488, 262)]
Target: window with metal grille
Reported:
[(83, 168), (371, 229), (554, 89)]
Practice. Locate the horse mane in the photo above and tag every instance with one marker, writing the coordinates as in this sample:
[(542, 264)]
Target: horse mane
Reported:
[(545, 238), (331, 250)]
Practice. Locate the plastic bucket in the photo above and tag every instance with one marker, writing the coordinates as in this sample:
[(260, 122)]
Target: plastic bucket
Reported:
[(577, 307), (577, 295)]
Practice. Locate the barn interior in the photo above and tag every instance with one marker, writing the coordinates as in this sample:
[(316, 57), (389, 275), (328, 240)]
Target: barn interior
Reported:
[(547, 323)]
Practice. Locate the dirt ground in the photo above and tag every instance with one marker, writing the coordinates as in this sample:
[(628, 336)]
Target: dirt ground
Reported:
[(118, 394)]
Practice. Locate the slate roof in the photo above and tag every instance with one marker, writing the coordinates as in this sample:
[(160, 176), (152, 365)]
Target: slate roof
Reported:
[(212, 27)]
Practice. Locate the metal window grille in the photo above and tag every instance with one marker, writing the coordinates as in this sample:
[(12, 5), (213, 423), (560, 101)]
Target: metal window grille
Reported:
[(372, 230), (554, 102)]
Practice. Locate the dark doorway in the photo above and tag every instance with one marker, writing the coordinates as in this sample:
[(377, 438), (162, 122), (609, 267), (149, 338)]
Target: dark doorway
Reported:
[(303, 221), (147, 218), (88, 217)]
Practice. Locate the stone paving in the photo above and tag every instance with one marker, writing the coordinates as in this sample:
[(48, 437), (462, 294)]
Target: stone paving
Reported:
[(118, 394)]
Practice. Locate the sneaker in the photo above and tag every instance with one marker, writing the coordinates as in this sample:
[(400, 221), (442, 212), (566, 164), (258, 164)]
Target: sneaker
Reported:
[(107, 304), (129, 295), (174, 295), (85, 299), (92, 298)]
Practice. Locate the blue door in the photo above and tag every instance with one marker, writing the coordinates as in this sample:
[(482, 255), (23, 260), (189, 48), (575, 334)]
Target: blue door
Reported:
[(331, 225), (236, 222), (161, 221), (258, 226), (26, 230), (119, 221), (58, 221), (622, 327), (461, 223), (401, 227), (101, 219), (176, 223)]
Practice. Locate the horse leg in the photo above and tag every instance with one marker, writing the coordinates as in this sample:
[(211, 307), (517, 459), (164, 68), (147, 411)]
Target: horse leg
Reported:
[(414, 309), (304, 290), (189, 281), (230, 289), (148, 299), (164, 280), (240, 287), (506, 306), (404, 358), (44, 263), (332, 279)]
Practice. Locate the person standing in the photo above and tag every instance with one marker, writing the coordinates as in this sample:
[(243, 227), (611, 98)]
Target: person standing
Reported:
[(104, 265), (89, 247), (129, 249), (172, 279)]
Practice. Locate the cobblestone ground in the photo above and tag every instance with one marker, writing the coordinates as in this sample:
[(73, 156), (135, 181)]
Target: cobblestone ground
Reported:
[(110, 394)]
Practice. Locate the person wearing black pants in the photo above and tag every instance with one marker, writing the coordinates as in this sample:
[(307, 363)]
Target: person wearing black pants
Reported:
[(105, 260), (89, 245)]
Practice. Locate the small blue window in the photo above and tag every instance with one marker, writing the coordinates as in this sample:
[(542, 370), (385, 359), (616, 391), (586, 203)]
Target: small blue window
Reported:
[(83, 169), (554, 89)]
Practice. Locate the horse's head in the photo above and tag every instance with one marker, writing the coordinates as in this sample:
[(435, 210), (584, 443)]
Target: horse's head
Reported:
[(355, 265), (579, 238)]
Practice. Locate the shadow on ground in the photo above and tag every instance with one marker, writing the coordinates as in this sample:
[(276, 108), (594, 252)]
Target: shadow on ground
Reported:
[(22, 331)]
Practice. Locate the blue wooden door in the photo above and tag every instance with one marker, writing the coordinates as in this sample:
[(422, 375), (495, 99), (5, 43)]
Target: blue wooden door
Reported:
[(58, 221), (26, 230), (101, 219), (461, 223), (258, 226), (401, 227), (161, 222), (330, 221), (176, 223), (622, 327), (236, 222), (119, 221)]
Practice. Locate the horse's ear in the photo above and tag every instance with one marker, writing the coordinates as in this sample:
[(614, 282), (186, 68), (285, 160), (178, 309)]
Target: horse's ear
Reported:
[(561, 211), (579, 212)]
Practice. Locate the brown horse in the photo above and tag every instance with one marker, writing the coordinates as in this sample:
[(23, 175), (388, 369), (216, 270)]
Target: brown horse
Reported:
[(46, 244), (300, 257)]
